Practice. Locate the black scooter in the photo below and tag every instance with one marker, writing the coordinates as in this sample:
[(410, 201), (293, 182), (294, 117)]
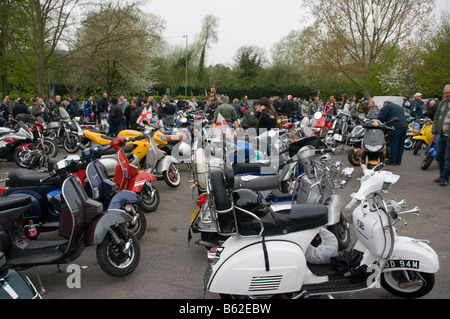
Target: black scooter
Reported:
[(83, 222)]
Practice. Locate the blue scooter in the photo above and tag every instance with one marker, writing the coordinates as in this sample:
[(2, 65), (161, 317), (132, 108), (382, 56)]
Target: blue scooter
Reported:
[(429, 154), (45, 192)]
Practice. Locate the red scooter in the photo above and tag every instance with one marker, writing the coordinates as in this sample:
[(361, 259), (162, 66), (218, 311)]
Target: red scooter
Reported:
[(127, 176), (324, 123)]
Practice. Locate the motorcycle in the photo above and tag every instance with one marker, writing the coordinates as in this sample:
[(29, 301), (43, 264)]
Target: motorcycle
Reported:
[(164, 140), (128, 177), (413, 130), (374, 145), (324, 123), (429, 154), (338, 134), (83, 222), (147, 156), (45, 192), (423, 139), (316, 185), (66, 131), (265, 255), (15, 143)]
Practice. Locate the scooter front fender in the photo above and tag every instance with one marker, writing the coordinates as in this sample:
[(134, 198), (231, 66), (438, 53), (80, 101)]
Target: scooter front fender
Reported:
[(165, 162), (122, 198), (97, 230), (412, 254), (137, 182), (244, 271)]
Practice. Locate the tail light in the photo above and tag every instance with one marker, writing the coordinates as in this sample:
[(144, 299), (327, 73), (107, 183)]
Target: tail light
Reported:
[(214, 254), (2, 189), (201, 199)]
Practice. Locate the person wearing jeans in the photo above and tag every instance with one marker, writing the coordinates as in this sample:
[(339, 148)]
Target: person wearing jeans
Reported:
[(397, 137), (441, 125)]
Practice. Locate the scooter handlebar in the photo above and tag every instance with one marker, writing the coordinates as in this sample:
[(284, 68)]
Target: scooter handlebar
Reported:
[(350, 206)]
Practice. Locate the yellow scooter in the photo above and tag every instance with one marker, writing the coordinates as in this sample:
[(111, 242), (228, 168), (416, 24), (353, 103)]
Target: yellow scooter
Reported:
[(423, 139), (164, 142)]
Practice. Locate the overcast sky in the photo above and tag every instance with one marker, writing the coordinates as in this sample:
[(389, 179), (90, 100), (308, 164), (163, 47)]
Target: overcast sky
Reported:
[(260, 23)]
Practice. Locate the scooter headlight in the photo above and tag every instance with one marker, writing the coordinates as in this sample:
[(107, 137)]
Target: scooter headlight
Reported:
[(372, 148)]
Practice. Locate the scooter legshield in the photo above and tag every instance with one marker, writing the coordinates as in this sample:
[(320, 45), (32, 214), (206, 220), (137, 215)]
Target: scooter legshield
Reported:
[(244, 272), (97, 230)]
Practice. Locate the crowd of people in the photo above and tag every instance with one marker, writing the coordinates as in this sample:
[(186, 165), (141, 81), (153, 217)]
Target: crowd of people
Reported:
[(262, 114)]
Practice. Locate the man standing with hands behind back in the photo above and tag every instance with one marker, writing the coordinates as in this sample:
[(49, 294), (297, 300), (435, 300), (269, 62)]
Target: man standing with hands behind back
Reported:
[(441, 126)]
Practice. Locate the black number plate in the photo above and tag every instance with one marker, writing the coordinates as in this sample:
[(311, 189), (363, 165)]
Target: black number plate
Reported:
[(413, 264)]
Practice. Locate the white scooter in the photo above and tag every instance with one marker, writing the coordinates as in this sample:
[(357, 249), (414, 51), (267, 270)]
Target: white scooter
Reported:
[(266, 255)]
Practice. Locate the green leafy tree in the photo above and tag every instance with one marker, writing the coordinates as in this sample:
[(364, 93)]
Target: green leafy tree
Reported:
[(433, 71)]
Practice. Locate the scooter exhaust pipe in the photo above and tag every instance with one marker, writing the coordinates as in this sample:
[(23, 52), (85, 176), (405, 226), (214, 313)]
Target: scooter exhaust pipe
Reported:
[(205, 243)]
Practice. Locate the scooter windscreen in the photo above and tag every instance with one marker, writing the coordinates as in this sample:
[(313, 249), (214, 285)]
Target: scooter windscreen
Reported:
[(374, 141)]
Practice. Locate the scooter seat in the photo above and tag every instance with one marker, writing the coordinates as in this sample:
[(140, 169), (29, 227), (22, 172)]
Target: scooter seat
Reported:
[(13, 202), (300, 217), (242, 168), (24, 177), (110, 151)]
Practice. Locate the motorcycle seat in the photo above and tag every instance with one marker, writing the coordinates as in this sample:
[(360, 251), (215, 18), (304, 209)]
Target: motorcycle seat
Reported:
[(24, 177)]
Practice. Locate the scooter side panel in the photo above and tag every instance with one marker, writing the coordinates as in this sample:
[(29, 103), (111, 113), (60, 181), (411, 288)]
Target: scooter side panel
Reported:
[(414, 254), (122, 198), (163, 164), (244, 273), (137, 182)]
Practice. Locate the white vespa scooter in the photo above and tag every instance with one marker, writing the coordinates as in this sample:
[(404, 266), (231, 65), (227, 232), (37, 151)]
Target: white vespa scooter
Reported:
[(266, 255)]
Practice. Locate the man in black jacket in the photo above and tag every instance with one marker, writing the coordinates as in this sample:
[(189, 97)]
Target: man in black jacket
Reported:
[(288, 108), (20, 108), (115, 117), (102, 106), (397, 137)]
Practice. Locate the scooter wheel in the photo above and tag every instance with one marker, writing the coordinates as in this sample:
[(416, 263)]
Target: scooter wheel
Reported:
[(150, 199), (71, 142), (113, 258), (409, 143), (414, 285), (139, 228), (354, 157), (426, 162), (172, 176), (417, 147)]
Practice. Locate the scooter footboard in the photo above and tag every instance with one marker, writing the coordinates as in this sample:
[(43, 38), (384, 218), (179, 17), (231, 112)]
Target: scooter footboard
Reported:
[(245, 273), (97, 230), (412, 254)]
